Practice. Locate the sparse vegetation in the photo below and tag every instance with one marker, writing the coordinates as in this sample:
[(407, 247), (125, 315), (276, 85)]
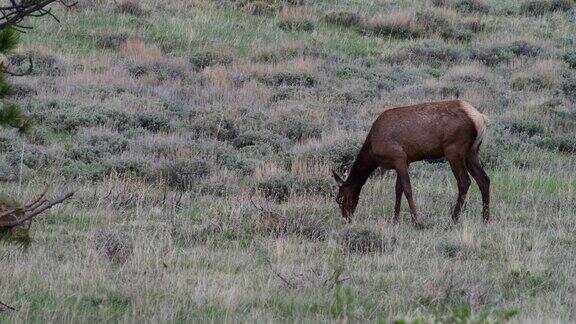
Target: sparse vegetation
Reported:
[(199, 137)]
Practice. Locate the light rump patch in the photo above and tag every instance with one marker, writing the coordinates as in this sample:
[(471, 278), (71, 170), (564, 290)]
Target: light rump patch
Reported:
[(478, 119)]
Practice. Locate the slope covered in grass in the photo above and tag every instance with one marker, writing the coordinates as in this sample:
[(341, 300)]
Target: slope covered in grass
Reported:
[(199, 136)]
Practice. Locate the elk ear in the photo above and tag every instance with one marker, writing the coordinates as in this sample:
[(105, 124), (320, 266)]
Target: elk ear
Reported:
[(338, 179)]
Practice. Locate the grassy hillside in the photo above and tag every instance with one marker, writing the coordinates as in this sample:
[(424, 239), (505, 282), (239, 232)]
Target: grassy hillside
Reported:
[(199, 137)]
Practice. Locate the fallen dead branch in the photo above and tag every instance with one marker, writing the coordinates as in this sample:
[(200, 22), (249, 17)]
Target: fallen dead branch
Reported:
[(17, 216), (4, 307)]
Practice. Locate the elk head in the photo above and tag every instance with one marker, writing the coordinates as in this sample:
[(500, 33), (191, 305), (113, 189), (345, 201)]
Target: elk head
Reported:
[(347, 197)]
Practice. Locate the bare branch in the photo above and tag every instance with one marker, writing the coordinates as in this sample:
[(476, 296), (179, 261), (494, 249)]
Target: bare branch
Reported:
[(7, 307), (11, 15), (18, 216)]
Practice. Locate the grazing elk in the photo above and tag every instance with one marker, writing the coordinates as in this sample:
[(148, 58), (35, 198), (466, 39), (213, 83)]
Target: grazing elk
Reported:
[(447, 129)]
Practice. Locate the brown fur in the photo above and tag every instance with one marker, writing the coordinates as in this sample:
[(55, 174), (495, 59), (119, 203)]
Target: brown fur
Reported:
[(399, 136)]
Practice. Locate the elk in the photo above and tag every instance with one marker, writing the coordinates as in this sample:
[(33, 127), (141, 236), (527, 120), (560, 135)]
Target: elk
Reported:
[(452, 130)]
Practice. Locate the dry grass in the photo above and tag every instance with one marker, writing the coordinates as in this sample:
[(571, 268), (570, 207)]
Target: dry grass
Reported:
[(200, 138)]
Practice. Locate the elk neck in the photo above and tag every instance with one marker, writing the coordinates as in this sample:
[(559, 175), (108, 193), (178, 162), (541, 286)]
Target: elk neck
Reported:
[(362, 168)]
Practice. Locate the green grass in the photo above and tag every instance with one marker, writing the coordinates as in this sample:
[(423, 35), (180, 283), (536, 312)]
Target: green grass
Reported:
[(255, 110)]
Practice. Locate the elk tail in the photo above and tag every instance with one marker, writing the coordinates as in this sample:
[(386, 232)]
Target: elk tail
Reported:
[(480, 122)]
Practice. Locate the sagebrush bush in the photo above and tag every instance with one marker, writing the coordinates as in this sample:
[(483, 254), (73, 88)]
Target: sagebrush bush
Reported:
[(261, 8), (317, 185), (341, 152), (397, 26), (204, 58), (162, 70), (261, 137), (154, 121), (32, 156), (361, 240), (531, 82), (296, 23), (504, 53), (131, 7), (424, 23), (570, 59), (565, 144), (284, 52), (569, 89), (295, 126), (44, 64), (278, 187), (435, 52), (472, 6), (183, 174), (305, 222), (103, 139), (111, 41), (290, 78), (439, 3), (216, 125), (343, 18), (114, 245), (541, 7)]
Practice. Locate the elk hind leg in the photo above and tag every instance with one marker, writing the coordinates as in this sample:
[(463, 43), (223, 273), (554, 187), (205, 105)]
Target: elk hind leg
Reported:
[(475, 168), (458, 165)]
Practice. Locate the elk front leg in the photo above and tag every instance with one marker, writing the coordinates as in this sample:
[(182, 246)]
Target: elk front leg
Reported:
[(402, 171), (398, 202)]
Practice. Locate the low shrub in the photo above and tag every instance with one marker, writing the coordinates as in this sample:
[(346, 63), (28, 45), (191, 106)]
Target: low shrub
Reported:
[(565, 144), (473, 25), (396, 26), (85, 153), (44, 64), (162, 70), (531, 82), (449, 249), (435, 52), (439, 3), (215, 125), (569, 89), (290, 78), (541, 7), (284, 52), (310, 223), (341, 152), (261, 8), (296, 23), (103, 139), (261, 137), (111, 41), (317, 185), (295, 126), (420, 24), (154, 121), (131, 7), (570, 59), (183, 174), (78, 170), (472, 6), (361, 240), (504, 53), (209, 57), (343, 18), (128, 164), (33, 157), (278, 187), (116, 246)]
